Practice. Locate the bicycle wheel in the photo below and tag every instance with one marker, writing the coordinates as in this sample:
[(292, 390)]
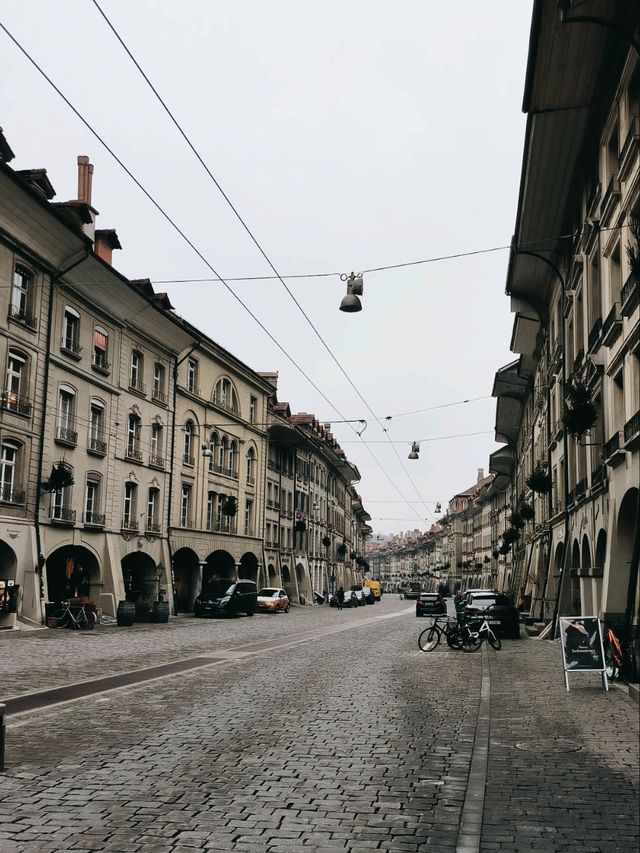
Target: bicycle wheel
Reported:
[(494, 642), (470, 642), (454, 640), (429, 638), (64, 619)]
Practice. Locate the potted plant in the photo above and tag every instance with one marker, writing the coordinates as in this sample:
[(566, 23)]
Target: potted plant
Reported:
[(526, 511), (353, 555), (539, 481), (143, 609), (230, 506), (516, 520), (342, 549), (511, 534), (495, 553), (326, 541), (60, 477), (300, 526), (504, 548), (581, 413)]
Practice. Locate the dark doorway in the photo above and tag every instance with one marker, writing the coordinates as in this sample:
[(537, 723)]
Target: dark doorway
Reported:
[(186, 579), (70, 572)]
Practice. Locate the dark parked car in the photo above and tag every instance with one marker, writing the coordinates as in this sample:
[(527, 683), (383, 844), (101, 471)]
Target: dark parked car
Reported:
[(430, 604), (367, 594), (498, 610), (219, 597), (359, 597), (350, 599)]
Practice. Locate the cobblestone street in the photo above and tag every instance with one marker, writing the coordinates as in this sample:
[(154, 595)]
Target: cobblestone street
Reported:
[(350, 741)]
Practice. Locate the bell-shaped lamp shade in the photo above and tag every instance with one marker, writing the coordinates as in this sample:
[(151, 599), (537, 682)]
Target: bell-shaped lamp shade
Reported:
[(351, 304), (415, 449)]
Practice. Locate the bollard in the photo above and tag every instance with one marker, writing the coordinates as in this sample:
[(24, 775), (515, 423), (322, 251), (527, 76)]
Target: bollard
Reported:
[(3, 708)]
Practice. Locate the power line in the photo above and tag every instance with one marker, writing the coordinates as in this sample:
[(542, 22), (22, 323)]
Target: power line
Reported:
[(190, 243)]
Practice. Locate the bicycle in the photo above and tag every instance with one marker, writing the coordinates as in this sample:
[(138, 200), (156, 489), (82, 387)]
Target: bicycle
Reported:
[(429, 639), (471, 639), (83, 619)]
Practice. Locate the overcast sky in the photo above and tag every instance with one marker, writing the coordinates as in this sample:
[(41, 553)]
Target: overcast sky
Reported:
[(349, 135)]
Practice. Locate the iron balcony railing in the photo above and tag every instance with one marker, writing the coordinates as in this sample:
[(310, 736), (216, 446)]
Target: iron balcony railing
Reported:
[(94, 518), (99, 361), (16, 403), (580, 489), (133, 452), (612, 326), (21, 315), (70, 345), (629, 295), (137, 385), (66, 434), (96, 445), (63, 514), (225, 404), (159, 395), (153, 527), (129, 523), (594, 335), (632, 427), (612, 445), (597, 475), (156, 461), (9, 495)]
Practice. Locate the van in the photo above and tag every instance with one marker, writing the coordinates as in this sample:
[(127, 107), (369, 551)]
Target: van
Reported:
[(220, 597), (375, 588)]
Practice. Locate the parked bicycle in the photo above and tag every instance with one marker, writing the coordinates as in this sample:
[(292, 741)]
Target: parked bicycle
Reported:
[(619, 657), (474, 634), (75, 616), (429, 639)]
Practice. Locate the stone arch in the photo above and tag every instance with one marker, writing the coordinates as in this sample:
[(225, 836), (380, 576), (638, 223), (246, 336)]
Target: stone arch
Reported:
[(575, 555), (71, 571), (219, 564), (140, 576), (8, 562), (601, 548), (287, 582), (302, 580), (248, 568), (187, 579), (586, 553), (621, 548), (271, 574)]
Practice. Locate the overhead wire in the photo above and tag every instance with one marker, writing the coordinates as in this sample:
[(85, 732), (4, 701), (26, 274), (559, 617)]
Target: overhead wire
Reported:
[(190, 243)]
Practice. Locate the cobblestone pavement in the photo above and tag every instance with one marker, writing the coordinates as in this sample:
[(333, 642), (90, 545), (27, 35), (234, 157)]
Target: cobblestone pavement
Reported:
[(351, 742)]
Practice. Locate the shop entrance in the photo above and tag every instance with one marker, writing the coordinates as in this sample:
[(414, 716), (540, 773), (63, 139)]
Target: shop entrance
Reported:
[(71, 571), (186, 579), (141, 577)]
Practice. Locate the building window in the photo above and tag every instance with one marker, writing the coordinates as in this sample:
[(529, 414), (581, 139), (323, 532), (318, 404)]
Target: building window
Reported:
[(153, 504), (192, 375), (187, 453), (219, 515), (159, 392), (213, 447), (185, 506), (253, 409), (156, 458), (92, 514), (129, 512), (233, 459), (71, 331), (225, 396), (136, 371), (251, 466), (21, 291), (100, 348), (248, 518), (133, 438), (211, 501), (66, 431), (224, 445), (97, 443), (8, 475), (13, 397), (61, 505)]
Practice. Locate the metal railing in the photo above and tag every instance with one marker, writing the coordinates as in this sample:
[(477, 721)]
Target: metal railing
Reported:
[(10, 495), (21, 315), (71, 346), (95, 518), (629, 292), (99, 361), (594, 334), (132, 452), (153, 527), (137, 385), (612, 325), (159, 395), (187, 459), (15, 403), (156, 461), (63, 514), (632, 427), (129, 523), (611, 446), (96, 445), (66, 434)]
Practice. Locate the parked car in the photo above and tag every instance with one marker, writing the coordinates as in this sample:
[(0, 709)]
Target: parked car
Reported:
[(430, 604), (469, 592), (368, 595), (272, 599), (350, 599), (359, 597), (498, 610), (221, 598)]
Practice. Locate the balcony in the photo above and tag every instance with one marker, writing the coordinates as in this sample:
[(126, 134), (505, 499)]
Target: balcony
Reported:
[(71, 347), (580, 491), (273, 466), (593, 201), (94, 519), (156, 461), (614, 452), (222, 403), (99, 362), (66, 435), (612, 326), (610, 199), (230, 472), (598, 478), (15, 403), (129, 523), (594, 336), (96, 445), (632, 432), (570, 498), (62, 514), (153, 527), (630, 148), (9, 495), (24, 317), (629, 296), (578, 360), (137, 386), (134, 453), (159, 396)]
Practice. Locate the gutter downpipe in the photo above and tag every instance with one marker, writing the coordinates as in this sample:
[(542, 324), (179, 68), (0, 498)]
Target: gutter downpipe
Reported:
[(36, 518), (565, 446), (176, 365)]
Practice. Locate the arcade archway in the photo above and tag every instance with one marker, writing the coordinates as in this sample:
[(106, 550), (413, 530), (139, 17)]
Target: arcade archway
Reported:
[(71, 570), (140, 577), (248, 569), (186, 579), (220, 564)]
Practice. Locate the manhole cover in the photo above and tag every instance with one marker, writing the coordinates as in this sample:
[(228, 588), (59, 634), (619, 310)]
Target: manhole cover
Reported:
[(547, 747)]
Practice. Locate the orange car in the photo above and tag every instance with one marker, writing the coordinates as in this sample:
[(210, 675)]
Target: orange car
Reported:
[(271, 599)]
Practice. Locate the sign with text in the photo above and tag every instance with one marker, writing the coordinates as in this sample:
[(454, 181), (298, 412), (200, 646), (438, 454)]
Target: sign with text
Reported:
[(582, 649)]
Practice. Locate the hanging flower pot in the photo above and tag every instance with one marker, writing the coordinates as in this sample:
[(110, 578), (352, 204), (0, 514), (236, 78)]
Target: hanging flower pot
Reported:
[(539, 481), (487, 560), (504, 549), (342, 549), (516, 520), (230, 506), (581, 413), (353, 555), (526, 511), (496, 553), (326, 541), (60, 477), (511, 534), (300, 526)]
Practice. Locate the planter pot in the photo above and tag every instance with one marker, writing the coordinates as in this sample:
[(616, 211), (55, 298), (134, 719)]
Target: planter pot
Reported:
[(142, 614), (126, 613), (160, 611)]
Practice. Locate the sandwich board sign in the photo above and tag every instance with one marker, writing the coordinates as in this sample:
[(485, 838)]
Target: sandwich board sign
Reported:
[(582, 649)]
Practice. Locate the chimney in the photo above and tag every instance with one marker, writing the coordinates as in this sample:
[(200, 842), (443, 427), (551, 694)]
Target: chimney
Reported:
[(480, 474), (85, 175), (270, 377), (105, 241)]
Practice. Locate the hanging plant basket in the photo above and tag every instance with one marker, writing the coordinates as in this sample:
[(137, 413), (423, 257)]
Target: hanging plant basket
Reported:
[(300, 526), (581, 413), (60, 477), (353, 555), (495, 553), (511, 534), (504, 549), (487, 559), (539, 481), (230, 506), (342, 549), (526, 511), (516, 520), (633, 248), (360, 561), (326, 541)]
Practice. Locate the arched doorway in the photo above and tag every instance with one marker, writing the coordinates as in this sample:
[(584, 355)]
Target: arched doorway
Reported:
[(71, 571), (8, 562), (303, 587), (9, 592), (187, 579), (286, 582), (575, 604), (601, 549), (219, 565), (620, 559), (140, 577), (248, 569), (271, 574)]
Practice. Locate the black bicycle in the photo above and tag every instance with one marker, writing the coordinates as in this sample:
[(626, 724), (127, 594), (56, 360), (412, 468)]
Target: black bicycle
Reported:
[(430, 638)]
